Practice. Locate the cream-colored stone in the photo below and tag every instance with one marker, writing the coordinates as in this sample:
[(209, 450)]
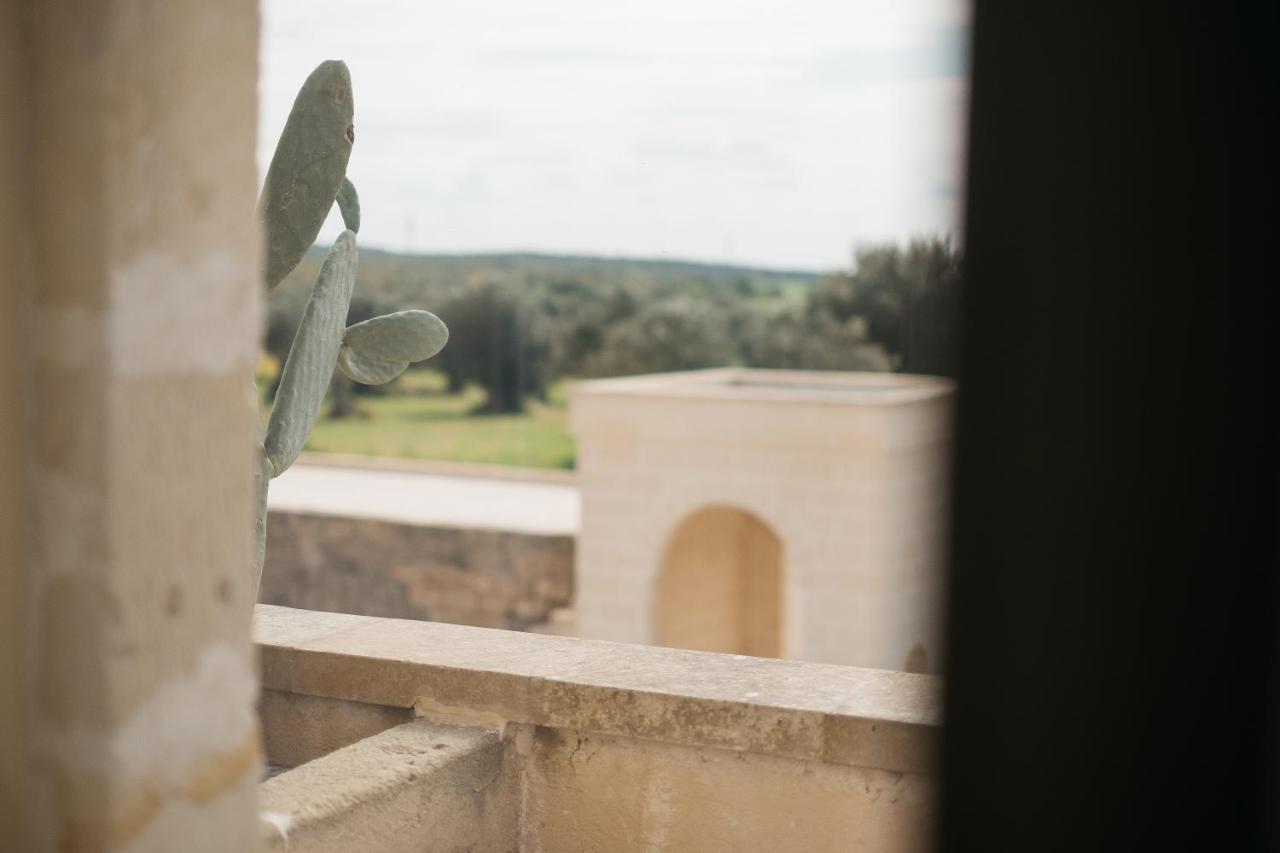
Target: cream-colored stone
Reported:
[(415, 788), (127, 137), (720, 588), (603, 747), (846, 471), (836, 714), (603, 793), (297, 728)]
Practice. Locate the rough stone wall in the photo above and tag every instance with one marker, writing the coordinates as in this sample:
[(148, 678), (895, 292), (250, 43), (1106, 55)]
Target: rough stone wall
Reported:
[(586, 791), (487, 578), (130, 144)]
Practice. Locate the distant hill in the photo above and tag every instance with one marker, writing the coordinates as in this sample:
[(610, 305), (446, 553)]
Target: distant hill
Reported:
[(395, 278), (552, 264)]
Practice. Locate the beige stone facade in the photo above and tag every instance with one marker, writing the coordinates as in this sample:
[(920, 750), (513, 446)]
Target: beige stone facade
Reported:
[(130, 305), (795, 514)]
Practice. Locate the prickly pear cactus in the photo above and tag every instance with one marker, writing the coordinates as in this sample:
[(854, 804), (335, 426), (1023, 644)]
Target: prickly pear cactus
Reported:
[(307, 176)]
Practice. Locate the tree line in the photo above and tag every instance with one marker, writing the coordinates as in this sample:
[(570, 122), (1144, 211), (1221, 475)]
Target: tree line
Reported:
[(519, 322)]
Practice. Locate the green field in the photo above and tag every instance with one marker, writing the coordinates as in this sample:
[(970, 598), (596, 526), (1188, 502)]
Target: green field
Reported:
[(416, 419)]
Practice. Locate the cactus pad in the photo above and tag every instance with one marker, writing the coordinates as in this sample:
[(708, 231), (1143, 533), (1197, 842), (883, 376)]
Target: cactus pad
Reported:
[(308, 168), (311, 360), (379, 350), (349, 205)]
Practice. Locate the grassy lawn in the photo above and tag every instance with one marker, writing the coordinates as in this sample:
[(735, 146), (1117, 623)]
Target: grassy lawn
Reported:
[(416, 419)]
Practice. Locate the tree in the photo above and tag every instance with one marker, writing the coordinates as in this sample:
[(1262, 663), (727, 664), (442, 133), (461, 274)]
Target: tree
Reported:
[(497, 342), (908, 297), (793, 339), (674, 334)]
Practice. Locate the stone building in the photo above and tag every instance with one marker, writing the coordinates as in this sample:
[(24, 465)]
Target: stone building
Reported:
[(761, 512)]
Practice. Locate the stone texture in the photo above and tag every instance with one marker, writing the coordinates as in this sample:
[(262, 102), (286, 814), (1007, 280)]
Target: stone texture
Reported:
[(600, 792), (128, 129), (415, 788), (846, 471), (488, 578), (570, 745), (297, 728), (477, 676)]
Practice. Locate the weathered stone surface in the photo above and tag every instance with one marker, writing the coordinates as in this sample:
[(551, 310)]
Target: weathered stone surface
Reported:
[(576, 745), (489, 578), (127, 135), (297, 728), (464, 675), (417, 787), (601, 792)]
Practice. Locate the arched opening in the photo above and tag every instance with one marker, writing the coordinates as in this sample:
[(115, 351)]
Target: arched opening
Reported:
[(720, 586)]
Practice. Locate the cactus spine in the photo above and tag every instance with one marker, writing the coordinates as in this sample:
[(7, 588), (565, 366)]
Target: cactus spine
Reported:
[(307, 176)]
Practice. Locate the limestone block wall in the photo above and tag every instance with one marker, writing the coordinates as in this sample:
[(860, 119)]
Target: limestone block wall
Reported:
[(371, 567), (847, 472), (130, 307)]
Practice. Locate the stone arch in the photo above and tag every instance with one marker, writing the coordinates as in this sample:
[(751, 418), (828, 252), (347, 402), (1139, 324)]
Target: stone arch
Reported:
[(720, 585)]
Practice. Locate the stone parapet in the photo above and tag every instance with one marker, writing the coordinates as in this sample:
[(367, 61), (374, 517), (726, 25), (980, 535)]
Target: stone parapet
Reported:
[(607, 746)]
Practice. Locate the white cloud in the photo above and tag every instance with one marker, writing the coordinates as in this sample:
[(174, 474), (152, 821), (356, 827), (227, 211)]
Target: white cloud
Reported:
[(776, 132)]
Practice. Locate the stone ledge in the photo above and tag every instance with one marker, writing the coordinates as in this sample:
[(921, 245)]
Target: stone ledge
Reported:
[(554, 476), (738, 384), (478, 676), (414, 787)]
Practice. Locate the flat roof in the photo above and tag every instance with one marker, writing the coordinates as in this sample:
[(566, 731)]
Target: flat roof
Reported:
[(794, 386)]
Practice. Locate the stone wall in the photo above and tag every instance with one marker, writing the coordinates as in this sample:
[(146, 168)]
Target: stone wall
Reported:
[(539, 744), (487, 578)]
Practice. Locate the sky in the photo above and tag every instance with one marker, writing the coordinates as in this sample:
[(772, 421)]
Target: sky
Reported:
[(780, 134)]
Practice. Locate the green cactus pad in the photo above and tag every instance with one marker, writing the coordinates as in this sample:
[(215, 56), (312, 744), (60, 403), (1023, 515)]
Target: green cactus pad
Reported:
[(368, 369), (349, 205), (311, 360), (308, 168), (261, 480), (379, 350)]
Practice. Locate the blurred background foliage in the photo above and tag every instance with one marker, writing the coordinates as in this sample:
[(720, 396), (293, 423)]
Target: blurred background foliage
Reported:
[(522, 325)]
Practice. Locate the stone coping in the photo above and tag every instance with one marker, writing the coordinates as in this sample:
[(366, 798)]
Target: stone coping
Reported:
[(428, 500), (455, 674), (728, 384), (554, 476), (406, 788)]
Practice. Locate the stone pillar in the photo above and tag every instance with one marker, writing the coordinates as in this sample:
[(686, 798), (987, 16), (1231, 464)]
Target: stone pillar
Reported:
[(129, 311)]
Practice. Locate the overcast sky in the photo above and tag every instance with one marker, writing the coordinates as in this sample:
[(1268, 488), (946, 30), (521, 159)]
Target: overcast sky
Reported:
[(777, 133)]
